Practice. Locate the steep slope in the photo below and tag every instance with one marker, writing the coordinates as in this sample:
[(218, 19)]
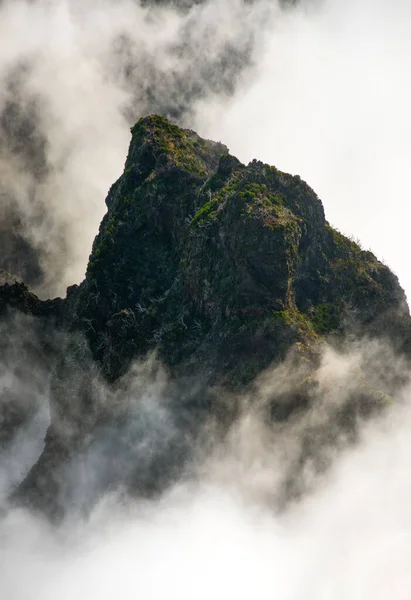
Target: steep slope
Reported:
[(219, 264), (221, 268)]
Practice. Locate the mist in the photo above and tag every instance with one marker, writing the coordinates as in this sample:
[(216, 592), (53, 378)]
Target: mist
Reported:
[(25, 374), (313, 507), (223, 528)]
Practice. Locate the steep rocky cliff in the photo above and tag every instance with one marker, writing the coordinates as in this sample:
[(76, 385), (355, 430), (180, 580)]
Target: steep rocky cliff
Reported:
[(219, 267)]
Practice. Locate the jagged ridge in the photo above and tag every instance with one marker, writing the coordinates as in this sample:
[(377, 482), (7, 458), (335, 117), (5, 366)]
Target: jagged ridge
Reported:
[(222, 268), (220, 264)]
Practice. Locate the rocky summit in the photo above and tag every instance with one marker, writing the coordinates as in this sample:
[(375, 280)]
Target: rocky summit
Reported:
[(220, 268)]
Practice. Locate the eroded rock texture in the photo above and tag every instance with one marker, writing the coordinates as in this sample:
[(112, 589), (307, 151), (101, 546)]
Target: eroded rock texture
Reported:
[(221, 268)]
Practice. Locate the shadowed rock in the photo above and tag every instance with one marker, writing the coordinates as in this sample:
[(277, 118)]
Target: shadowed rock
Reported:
[(223, 269)]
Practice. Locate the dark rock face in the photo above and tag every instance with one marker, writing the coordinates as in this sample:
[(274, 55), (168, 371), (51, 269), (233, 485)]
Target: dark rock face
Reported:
[(17, 296), (221, 268), (220, 265)]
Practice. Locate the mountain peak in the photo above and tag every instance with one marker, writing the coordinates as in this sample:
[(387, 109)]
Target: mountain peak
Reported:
[(210, 257), (221, 268), (157, 142)]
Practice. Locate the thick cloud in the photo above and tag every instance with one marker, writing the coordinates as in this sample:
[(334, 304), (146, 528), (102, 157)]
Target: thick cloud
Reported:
[(220, 531)]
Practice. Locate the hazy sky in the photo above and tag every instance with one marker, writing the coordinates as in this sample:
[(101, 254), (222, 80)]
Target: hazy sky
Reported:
[(218, 535)]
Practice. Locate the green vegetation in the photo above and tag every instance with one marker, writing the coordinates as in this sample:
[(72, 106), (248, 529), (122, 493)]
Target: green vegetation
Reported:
[(325, 318), (292, 318), (219, 264), (222, 270), (182, 147)]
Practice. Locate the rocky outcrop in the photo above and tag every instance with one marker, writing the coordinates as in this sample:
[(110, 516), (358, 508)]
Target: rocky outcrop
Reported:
[(15, 295), (220, 267)]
